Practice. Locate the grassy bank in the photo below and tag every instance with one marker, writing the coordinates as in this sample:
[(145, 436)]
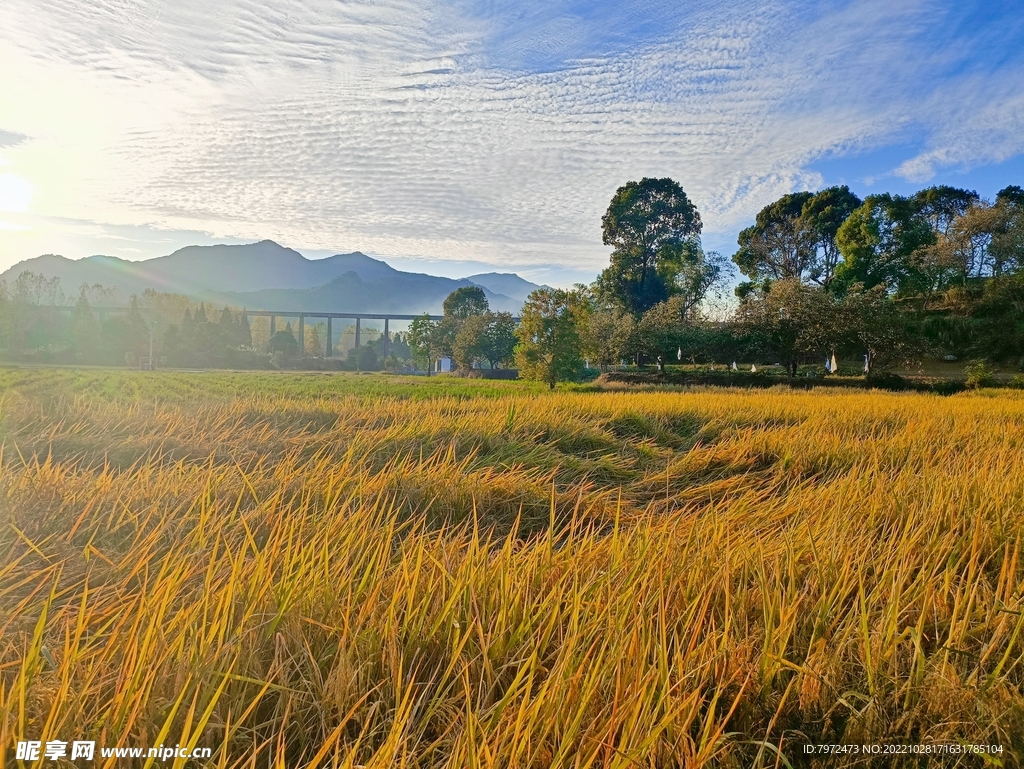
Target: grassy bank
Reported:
[(309, 570)]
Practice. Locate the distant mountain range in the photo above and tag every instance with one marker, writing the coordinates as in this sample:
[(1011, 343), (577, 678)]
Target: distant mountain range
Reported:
[(267, 276)]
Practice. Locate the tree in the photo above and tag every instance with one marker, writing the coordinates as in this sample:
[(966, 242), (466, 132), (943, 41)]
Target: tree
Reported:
[(364, 358), (661, 331), (465, 302), (942, 206), (876, 326), (1007, 246), (1011, 195), (549, 345), (284, 341), (596, 332), (499, 339), (172, 343), (795, 237), (778, 246), (138, 330), (85, 331), (470, 341), (878, 241), (969, 240), (654, 229), (823, 215), (695, 279), (245, 330), (423, 340), (489, 337), (946, 256), (791, 320), (36, 289), (311, 339)]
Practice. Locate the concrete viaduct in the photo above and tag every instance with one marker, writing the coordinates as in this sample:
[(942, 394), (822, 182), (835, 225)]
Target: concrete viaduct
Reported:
[(330, 316), (101, 313)]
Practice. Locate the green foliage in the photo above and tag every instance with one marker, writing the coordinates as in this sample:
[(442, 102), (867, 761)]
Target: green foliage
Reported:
[(778, 246), (499, 339), (822, 216), (941, 206), (284, 342), (980, 375), (877, 243), (607, 334), (465, 302), (469, 333), (792, 319), (84, 328), (549, 344), (871, 322), (654, 229), (470, 340), (886, 380), (1007, 246), (422, 341), (795, 237), (364, 358)]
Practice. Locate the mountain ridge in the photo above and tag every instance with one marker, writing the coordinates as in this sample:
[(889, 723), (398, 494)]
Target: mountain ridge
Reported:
[(258, 275)]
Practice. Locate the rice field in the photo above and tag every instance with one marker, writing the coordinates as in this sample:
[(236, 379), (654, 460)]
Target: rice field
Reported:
[(345, 571)]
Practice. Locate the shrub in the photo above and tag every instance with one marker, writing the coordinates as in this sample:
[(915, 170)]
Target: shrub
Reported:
[(980, 375), (886, 380)]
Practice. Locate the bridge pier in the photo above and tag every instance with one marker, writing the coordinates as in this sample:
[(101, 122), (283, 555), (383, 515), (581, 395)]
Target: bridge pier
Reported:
[(302, 331), (330, 345), (273, 326), (357, 332), (387, 339)]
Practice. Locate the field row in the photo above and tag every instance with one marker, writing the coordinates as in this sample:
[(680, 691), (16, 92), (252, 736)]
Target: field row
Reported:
[(319, 575)]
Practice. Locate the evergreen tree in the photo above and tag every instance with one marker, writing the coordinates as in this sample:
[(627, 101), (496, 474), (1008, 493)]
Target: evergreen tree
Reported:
[(245, 334), (655, 231), (85, 331)]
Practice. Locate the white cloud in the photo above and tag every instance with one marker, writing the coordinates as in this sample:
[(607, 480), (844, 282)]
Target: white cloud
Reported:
[(417, 128), (985, 127)]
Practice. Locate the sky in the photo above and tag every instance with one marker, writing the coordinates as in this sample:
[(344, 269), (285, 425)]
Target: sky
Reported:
[(463, 136)]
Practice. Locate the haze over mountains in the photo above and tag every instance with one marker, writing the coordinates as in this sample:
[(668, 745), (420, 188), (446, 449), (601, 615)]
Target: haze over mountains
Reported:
[(266, 275)]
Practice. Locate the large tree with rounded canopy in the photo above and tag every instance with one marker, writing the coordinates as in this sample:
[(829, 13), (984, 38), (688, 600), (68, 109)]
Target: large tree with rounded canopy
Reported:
[(655, 231)]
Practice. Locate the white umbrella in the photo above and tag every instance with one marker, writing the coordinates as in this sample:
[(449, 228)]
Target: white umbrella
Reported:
[(835, 366)]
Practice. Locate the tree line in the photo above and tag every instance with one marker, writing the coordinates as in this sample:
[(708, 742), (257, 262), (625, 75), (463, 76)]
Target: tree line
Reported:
[(38, 323), (889, 279)]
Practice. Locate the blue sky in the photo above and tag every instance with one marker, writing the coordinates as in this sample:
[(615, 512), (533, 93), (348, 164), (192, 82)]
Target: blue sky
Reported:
[(458, 137)]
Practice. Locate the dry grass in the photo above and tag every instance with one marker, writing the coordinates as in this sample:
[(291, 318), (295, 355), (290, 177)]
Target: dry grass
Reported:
[(576, 579)]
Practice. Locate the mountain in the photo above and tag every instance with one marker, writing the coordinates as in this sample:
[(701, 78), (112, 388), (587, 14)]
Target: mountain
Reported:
[(266, 275), (405, 293), (507, 283)]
